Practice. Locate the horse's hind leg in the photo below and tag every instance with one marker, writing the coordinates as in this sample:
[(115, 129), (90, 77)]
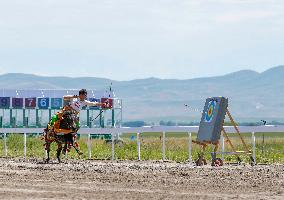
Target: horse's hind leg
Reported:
[(68, 142), (47, 148), (59, 149), (76, 147), (64, 148)]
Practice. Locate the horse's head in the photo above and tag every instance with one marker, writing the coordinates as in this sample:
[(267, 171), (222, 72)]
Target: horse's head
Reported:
[(68, 119)]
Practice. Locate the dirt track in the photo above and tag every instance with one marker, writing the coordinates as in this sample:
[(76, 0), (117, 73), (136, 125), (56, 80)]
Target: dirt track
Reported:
[(137, 180)]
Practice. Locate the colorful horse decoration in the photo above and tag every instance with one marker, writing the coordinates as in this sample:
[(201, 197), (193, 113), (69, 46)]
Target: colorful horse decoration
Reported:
[(62, 129)]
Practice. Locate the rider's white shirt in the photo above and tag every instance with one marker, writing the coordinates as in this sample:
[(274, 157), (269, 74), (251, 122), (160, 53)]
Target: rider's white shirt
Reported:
[(77, 104)]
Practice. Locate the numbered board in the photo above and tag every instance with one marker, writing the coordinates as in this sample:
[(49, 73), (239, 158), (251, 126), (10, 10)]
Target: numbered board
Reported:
[(30, 103), (46, 103), (94, 100), (108, 101), (4, 102), (213, 116), (43, 103), (17, 103), (56, 103)]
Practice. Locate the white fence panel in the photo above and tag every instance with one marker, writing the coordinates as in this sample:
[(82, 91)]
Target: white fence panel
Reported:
[(138, 130)]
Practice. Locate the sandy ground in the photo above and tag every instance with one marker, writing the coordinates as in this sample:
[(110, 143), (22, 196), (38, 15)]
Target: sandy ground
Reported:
[(137, 180)]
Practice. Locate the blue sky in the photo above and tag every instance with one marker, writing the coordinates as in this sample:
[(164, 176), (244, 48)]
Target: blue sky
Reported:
[(126, 39)]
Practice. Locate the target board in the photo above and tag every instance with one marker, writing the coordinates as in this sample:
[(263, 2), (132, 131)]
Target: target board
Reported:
[(211, 123)]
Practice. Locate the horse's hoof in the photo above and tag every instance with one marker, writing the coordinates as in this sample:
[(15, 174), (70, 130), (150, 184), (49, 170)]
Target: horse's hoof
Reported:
[(46, 161)]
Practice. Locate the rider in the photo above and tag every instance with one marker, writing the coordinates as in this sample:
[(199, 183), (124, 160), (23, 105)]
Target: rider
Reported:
[(75, 105), (80, 101)]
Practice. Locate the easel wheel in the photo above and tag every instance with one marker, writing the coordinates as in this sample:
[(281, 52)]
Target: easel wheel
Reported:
[(217, 162), (200, 162)]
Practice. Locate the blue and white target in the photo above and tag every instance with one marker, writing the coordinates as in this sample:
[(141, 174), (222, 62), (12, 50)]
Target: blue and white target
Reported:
[(210, 111)]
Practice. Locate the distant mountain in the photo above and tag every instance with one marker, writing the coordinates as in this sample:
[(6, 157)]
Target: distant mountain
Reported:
[(29, 81), (252, 95)]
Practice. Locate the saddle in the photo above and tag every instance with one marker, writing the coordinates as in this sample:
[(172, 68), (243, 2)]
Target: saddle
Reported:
[(65, 123)]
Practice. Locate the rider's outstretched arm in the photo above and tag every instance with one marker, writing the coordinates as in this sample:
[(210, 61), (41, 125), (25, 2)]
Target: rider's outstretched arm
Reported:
[(68, 97), (90, 103)]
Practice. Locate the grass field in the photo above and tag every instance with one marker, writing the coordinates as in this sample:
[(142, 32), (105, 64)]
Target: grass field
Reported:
[(269, 147)]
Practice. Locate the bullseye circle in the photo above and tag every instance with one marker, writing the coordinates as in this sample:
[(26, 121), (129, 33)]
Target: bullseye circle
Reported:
[(210, 111)]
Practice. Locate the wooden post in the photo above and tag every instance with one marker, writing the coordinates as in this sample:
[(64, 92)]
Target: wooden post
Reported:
[(238, 131)]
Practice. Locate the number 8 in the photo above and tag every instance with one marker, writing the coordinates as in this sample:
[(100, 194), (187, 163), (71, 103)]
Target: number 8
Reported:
[(17, 102)]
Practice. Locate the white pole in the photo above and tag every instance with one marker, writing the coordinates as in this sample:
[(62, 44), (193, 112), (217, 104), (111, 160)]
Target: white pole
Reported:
[(138, 146), (5, 144), (25, 146), (164, 146), (223, 146), (189, 148), (89, 146), (112, 146), (253, 147)]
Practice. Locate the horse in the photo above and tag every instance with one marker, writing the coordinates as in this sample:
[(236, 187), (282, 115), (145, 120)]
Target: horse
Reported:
[(63, 131)]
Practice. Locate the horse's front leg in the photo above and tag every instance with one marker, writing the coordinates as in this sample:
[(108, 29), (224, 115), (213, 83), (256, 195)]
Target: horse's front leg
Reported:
[(64, 151), (59, 149), (47, 148)]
